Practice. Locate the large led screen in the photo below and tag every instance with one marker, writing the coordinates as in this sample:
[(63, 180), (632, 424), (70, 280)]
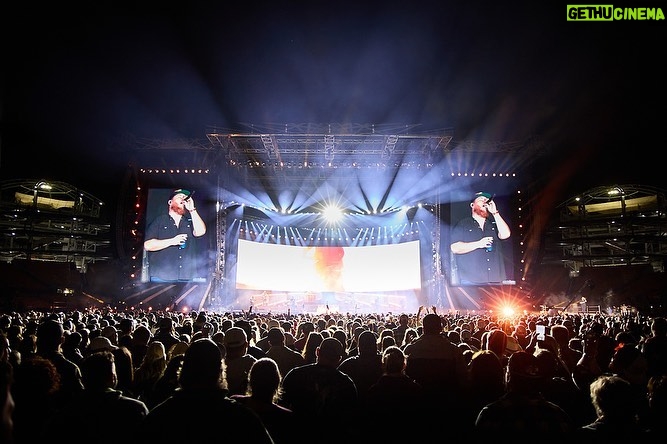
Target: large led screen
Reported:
[(481, 236), (175, 250), (287, 268)]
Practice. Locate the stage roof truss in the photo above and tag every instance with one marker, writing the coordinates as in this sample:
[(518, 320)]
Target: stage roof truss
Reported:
[(323, 148)]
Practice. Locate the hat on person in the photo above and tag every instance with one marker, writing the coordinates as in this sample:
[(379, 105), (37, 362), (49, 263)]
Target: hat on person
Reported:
[(187, 193), (481, 194), (109, 332), (99, 343), (235, 337), (512, 345)]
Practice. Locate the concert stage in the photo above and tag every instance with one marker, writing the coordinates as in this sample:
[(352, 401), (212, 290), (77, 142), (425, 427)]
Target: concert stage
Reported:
[(296, 303)]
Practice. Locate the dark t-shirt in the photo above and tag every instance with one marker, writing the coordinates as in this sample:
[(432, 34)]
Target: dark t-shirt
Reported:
[(206, 416), (480, 266), (316, 390), (319, 395), (172, 263)]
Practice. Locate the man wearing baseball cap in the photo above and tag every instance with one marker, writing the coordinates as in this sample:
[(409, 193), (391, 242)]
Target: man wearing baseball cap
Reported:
[(476, 243), (168, 239)]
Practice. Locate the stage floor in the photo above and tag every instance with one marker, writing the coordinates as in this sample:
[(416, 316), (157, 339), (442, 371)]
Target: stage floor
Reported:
[(296, 303)]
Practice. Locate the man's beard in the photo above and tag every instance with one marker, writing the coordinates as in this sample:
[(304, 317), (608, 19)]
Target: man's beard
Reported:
[(483, 212), (178, 209)]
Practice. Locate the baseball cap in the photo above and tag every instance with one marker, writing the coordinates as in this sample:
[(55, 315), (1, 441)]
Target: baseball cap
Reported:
[(235, 337), (481, 194), (187, 193), (512, 345)]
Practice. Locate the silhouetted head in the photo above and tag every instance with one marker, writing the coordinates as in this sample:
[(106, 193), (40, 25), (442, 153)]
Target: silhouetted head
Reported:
[(432, 324), (202, 365), (330, 352)]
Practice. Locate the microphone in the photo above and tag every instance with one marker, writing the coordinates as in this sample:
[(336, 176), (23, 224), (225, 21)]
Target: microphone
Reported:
[(488, 202), (191, 194)]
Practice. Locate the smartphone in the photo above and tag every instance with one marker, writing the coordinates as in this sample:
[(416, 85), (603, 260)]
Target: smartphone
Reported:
[(541, 332)]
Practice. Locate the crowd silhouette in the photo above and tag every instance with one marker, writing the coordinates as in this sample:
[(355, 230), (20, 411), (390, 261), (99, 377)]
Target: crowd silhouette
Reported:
[(101, 375)]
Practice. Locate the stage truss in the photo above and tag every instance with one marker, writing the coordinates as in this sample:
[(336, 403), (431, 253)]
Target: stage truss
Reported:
[(273, 158)]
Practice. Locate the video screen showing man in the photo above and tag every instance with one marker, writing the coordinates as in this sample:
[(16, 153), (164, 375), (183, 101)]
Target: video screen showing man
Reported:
[(169, 240), (477, 242)]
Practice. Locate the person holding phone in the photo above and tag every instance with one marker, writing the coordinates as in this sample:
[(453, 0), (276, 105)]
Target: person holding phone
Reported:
[(168, 242), (475, 243)]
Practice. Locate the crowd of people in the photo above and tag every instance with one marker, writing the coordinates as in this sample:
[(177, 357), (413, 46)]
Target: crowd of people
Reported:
[(101, 375)]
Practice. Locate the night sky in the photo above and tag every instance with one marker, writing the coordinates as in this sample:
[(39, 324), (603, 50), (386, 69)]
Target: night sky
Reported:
[(76, 85)]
